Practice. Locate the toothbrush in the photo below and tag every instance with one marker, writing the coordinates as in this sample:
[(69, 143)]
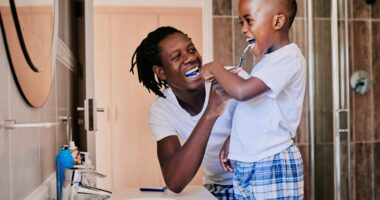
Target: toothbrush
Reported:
[(192, 73), (250, 43)]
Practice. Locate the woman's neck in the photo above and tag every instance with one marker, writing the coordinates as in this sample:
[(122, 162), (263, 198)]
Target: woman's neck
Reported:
[(191, 100)]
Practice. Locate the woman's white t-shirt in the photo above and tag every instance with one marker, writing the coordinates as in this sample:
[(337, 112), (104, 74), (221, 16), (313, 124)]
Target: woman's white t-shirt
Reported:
[(168, 118)]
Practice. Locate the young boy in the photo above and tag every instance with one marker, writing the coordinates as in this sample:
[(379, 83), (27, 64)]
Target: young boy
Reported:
[(266, 163)]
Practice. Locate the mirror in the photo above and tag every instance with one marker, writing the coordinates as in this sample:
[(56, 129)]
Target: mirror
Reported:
[(29, 29)]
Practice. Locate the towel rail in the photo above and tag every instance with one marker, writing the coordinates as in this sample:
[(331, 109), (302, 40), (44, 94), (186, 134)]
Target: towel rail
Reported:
[(12, 124)]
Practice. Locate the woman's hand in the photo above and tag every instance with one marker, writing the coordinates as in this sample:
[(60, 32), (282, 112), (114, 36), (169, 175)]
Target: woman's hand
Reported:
[(223, 156), (217, 100)]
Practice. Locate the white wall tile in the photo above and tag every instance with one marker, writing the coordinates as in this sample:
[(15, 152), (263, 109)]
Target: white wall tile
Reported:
[(24, 146), (48, 148), (62, 93), (4, 114)]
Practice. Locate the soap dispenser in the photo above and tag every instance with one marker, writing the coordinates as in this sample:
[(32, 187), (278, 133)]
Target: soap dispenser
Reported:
[(64, 160)]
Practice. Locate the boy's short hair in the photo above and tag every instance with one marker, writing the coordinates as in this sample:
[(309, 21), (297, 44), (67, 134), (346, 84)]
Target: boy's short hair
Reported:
[(291, 7)]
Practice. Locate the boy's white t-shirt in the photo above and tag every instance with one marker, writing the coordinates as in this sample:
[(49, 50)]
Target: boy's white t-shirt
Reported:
[(168, 118), (265, 125)]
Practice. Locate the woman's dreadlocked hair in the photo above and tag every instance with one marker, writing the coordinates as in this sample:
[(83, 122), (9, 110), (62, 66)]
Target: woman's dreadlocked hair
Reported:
[(147, 55)]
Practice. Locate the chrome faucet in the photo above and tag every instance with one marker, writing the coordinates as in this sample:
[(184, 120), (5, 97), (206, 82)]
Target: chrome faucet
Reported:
[(80, 184)]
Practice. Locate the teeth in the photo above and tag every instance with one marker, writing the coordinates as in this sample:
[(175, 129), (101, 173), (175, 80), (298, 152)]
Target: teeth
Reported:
[(193, 72)]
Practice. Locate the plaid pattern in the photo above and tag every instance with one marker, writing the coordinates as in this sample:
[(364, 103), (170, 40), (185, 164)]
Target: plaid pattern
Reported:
[(221, 192), (277, 177)]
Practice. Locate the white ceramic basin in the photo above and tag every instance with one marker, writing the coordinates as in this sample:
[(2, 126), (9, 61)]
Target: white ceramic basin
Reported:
[(150, 198)]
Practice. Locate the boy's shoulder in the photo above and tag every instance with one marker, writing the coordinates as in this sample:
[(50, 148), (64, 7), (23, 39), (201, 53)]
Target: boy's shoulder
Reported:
[(289, 51), (291, 48)]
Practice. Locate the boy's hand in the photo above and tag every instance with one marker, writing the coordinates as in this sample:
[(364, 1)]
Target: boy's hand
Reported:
[(233, 69), (223, 156), (208, 76), (205, 72)]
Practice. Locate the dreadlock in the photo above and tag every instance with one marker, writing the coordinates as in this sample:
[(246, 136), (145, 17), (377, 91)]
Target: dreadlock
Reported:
[(147, 55)]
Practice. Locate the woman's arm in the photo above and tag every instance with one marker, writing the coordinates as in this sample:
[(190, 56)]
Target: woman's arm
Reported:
[(237, 87), (179, 164)]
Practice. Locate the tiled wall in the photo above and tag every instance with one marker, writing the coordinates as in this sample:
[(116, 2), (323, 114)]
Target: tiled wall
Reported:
[(364, 33), (364, 42), (28, 155), (229, 44)]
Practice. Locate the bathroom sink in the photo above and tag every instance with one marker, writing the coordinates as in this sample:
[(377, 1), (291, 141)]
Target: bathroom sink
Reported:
[(189, 193), (149, 198)]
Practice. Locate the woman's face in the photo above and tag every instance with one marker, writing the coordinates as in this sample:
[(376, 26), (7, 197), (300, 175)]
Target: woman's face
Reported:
[(180, 57)]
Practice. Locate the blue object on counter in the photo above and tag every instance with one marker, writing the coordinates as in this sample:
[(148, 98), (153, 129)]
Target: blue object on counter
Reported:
[(153, 189), (63, 161)]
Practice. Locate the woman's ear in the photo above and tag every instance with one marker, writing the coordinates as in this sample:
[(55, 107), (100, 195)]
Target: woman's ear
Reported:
[(279, 21), (159, 71)]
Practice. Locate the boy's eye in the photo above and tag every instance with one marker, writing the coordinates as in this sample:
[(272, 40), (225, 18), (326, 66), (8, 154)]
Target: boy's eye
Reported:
[(249, 20), (241, 22)]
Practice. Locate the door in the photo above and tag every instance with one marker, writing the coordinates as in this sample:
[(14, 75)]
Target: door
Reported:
[(85, 107)]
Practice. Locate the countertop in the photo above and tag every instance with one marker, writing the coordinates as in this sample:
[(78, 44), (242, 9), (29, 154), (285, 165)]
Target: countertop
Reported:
[(194, 192)]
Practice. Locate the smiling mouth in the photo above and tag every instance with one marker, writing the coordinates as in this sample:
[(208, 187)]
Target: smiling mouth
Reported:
[(194, 72)]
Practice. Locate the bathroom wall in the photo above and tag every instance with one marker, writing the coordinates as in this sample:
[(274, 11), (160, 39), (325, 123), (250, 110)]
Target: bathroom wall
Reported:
[(229, 44), (364, 34), (364, 41), (28, 155)]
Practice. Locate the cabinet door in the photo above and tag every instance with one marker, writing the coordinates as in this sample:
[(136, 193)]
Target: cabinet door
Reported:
[(126, 152), (190, 23), (102, 87), (134, 151)]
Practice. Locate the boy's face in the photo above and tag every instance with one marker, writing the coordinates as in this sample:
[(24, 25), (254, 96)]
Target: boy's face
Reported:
[(256, 19), (179, 56)]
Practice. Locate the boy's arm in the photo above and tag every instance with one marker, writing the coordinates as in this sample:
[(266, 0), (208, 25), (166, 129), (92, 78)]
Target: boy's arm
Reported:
[(237, 87)]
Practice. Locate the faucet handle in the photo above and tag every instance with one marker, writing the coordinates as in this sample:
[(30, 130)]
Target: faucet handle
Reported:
[(83, 189), (88, 177), (93, 173), (73, 175)]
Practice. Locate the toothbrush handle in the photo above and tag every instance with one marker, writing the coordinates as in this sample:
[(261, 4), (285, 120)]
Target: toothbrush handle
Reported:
[(240, 61)]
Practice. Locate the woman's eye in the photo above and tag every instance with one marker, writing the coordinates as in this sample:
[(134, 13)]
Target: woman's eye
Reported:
[(192, 50), (175, 57)]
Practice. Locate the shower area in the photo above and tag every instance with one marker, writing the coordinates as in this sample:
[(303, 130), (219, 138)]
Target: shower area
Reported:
[(339, 134), (343, 99)]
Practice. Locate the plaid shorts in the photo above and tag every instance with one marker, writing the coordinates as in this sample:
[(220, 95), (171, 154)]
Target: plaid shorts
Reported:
[(221, 192), (276, 177)]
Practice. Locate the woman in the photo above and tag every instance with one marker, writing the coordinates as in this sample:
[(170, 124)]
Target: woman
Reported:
[(168, 64)]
